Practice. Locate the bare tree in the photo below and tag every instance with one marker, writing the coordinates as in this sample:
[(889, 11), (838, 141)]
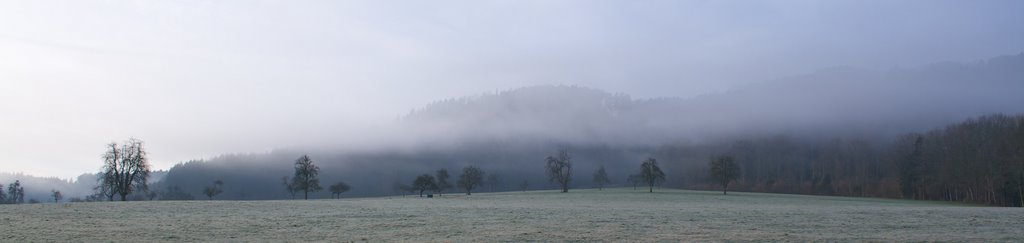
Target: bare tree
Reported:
[(601, 178), (423, 183), (3, 196), (724, 170), (104, 187), (305, 178), (471, 177), (442, 180), (125, 169), (559, 169), (56, 196), (213, 190), (651, 173), (338, 188), (523, 186)]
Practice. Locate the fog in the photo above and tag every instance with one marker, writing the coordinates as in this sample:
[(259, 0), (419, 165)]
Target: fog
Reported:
[(358, 81)]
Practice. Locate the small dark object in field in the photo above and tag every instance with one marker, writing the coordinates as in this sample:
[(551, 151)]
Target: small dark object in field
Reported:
[(430, 195)]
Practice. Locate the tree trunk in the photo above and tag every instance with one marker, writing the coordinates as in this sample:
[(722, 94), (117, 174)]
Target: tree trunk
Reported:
[(725, 188), (650, 188), (305, 195), (124, 197)]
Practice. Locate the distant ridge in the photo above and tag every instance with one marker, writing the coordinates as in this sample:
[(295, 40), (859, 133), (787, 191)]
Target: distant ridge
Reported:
[(836, 100)]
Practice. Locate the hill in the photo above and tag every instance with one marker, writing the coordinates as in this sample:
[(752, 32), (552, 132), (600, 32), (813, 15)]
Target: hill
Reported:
[(794, 122)]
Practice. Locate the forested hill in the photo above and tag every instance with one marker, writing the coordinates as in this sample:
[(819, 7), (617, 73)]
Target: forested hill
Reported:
[(793, 125), (838, 100)]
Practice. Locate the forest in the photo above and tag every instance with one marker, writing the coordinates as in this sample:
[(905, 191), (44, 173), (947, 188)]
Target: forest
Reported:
[(980, 161)]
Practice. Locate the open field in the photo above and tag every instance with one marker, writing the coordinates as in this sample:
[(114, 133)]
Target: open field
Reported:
[(620, 214)]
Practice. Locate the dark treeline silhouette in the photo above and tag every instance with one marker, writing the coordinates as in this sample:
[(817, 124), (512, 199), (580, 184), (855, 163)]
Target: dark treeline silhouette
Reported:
[(977, 161)]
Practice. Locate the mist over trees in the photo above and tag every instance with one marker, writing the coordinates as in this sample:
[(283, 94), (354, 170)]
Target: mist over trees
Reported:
[(213, 190), (848, 137)]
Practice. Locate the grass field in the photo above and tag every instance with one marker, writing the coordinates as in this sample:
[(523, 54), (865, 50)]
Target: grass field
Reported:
[(620, 214)]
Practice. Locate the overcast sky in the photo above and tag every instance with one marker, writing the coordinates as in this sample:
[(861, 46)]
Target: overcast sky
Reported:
[(199, 78)]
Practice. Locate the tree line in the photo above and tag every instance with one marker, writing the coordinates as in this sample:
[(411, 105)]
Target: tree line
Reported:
[(980, 160)]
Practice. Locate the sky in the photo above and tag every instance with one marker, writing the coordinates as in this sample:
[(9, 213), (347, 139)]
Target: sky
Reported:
[(196, 79)]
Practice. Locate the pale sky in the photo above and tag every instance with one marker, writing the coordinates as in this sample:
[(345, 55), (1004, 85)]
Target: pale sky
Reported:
[(195, 79)]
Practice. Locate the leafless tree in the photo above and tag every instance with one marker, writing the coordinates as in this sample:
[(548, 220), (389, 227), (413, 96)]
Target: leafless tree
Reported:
[(104, 187), (523, 186), (724, 170), (424, 182), (305, 178), (559, 169), (651, 173), (125, 168), (471, 177), (338, 188), (601, 178), (213, 190)]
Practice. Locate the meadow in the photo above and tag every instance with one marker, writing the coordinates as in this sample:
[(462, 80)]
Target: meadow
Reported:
[(617, 214)]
